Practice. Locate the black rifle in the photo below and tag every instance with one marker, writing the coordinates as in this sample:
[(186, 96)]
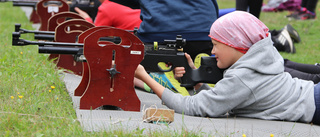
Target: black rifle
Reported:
[(17, 28), (27, 3), (49, 35), (16, 41), (39, 35), (32, 4), (89, 6), (168, 52)]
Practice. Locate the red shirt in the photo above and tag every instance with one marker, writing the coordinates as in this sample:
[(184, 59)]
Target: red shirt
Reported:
[(116, 15)]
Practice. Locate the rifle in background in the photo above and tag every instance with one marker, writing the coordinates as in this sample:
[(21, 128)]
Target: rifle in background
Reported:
[(89, 6)]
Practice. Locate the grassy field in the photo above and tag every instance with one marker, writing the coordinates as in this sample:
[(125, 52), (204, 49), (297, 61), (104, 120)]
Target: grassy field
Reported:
[(34, 101)]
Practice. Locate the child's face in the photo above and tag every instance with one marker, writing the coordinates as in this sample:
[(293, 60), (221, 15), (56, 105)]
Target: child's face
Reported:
[(225, 55)]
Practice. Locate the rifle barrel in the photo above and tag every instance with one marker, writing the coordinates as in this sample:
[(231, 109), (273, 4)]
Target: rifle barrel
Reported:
[(44, 36), (36, 32), (24, 3), (59, 50), (116, 40)]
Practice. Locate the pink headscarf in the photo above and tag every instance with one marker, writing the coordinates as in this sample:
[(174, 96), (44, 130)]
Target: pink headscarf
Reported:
[(238, 29)]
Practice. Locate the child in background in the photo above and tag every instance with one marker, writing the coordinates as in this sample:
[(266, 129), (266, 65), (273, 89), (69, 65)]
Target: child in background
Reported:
[(114, 15), (254, 85)]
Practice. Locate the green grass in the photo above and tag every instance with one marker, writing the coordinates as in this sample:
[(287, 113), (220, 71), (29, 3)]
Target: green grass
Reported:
[(27, 108)]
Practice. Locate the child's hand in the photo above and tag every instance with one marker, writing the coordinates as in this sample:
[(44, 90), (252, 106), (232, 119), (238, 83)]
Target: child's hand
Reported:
[(179, 71), (82, 13), (191, 64), (141, 72), (145, 77)]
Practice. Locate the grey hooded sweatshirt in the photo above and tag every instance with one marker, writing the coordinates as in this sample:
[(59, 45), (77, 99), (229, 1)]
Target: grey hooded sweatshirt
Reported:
[(256, 86)]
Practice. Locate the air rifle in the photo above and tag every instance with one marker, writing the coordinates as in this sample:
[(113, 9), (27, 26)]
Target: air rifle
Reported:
[(28, 3), (17, 28), (170, 51), (16, 41), (49, 35), (89, 6), (25, 3)]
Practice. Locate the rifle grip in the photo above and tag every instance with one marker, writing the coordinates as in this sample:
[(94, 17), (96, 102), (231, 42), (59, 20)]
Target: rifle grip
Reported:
[(186, 79), (208, 72)]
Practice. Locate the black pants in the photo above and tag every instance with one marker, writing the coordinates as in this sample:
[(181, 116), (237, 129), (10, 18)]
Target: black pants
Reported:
[(302, 71), (253, 5), (309, 4)]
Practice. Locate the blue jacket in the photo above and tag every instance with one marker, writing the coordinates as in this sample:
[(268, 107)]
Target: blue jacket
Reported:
[(165, 19)]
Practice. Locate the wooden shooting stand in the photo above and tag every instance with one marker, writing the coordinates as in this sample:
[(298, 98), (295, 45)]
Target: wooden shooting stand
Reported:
[(34, 18), (111, 81), (85, 71), (45, 10), (68, 32), (57, 19), (60, 17)]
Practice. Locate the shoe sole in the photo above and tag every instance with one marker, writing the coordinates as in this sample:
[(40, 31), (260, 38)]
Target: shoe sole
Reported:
[(284, 35), (293, 33)]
